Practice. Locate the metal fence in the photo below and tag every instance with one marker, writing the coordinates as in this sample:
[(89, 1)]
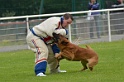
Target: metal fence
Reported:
[(109, 27)]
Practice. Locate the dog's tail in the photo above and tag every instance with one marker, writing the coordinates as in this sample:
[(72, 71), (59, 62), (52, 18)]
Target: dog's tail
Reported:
[(88, 47)]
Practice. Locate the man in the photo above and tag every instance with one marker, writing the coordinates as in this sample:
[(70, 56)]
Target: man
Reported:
[(94, 5), (40, 39)]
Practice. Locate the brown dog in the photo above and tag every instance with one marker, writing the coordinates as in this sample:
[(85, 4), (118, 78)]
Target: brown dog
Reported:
[(69, 51)]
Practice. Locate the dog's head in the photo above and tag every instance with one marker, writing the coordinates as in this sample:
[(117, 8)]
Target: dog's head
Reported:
[(59, 39), (63, 40)]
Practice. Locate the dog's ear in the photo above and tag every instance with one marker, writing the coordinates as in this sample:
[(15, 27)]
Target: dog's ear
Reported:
[(55, 37), (64, 43)]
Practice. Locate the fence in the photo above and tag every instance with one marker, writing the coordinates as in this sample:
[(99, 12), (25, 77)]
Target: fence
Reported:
[(109, 27)]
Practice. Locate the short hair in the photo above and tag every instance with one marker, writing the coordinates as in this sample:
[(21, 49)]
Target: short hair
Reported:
[(67, 16)]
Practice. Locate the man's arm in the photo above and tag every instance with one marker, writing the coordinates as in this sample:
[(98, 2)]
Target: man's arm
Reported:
[(95, 6)]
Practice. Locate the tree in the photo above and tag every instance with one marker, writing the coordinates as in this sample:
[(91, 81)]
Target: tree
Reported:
[(21, 7)]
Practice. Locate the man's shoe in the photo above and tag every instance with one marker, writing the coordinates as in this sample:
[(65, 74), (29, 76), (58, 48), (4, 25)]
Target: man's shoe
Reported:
[(62, 71), (41, 74)]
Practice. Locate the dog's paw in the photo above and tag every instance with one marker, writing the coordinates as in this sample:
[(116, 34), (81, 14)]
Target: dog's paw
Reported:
[(58, 56), (83, 69)]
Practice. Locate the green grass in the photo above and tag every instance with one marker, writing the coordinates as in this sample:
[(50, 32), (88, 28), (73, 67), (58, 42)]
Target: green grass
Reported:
[(11, 43), (18, 66)]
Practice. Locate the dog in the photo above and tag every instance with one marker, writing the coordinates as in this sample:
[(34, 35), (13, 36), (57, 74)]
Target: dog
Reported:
[(72, 52)]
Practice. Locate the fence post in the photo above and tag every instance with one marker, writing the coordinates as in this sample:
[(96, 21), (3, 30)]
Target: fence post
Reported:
[(27, 24), (109, 27), (28, 29), (41, 7)]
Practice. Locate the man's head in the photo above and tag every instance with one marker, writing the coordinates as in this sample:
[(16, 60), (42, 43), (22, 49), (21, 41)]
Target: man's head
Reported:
[(121, 1), (67, 19), (92, 1)]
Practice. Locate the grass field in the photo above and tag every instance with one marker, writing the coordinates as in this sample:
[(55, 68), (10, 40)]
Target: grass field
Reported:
[(18, 66)]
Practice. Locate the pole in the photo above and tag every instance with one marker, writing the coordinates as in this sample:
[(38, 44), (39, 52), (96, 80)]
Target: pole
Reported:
[(41, 7), (109, 27)]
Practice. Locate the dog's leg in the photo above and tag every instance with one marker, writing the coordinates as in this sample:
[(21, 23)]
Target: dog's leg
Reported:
[(91, 63), (58, 60), (59, 57), (91, 68), (68, 55), (84, 63), (65, 54)]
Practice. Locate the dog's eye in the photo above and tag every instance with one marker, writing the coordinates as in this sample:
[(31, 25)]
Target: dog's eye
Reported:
[(64, 43)]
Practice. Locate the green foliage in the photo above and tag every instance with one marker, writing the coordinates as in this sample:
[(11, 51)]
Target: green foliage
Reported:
[(21, 7), (54, 6), (31, 7), (18, 66), (8, 14)]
